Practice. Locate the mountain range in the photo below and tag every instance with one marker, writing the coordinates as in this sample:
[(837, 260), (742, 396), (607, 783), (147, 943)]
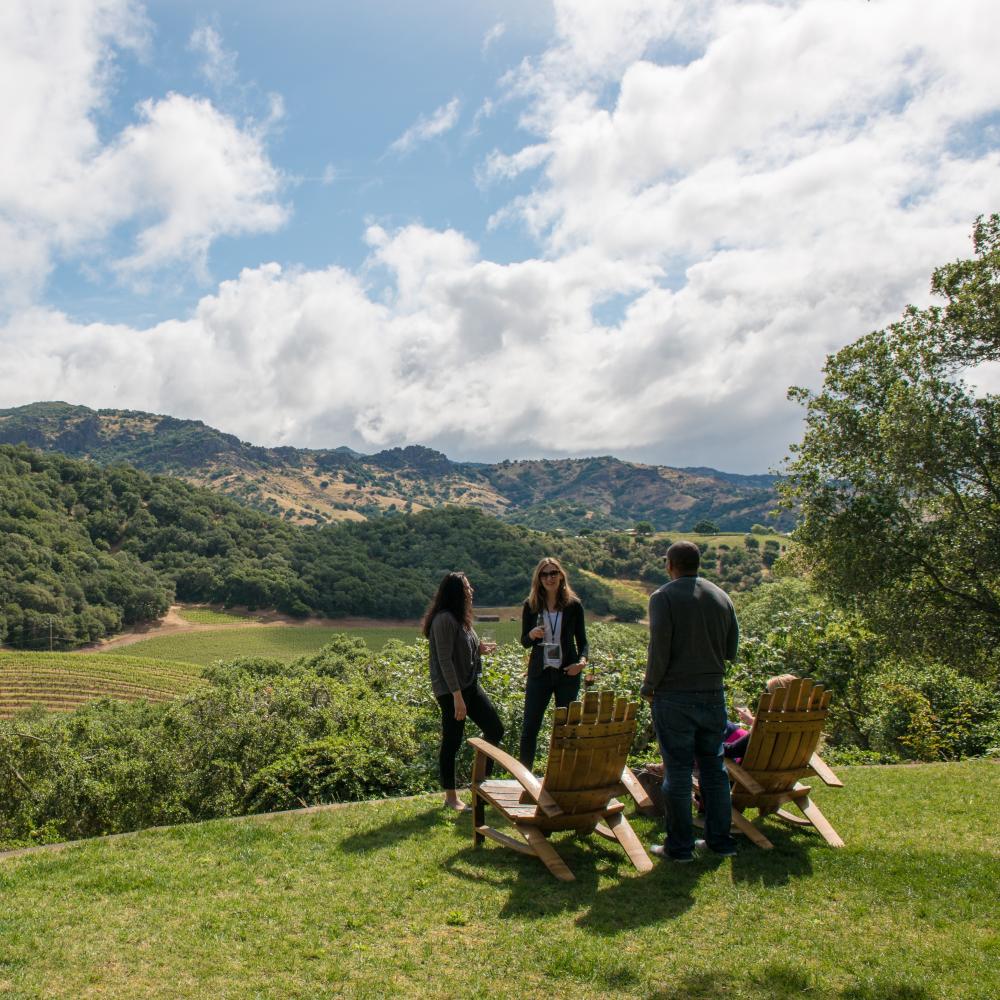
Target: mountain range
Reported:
[(316, 486)]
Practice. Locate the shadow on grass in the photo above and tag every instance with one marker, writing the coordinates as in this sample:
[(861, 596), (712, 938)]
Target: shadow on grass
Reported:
[(532, 892), (417, 825), (775, 981), (790, 859)]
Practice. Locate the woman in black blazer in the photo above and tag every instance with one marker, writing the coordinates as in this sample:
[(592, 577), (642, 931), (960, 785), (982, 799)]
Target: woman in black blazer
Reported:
[(552, 627)]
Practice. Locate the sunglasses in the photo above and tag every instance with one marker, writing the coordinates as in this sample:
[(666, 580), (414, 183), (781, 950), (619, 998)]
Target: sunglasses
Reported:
[(549, 572)]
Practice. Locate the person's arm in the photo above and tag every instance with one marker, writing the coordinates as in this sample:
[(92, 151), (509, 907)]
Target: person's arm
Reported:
[(579, 639), (733, 638), (582, 646), (529, 620), (445, 630), (658, 653)]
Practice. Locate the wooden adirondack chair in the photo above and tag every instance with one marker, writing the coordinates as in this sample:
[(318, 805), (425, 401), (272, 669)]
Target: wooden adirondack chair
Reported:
[(782, 749), (586, 770)]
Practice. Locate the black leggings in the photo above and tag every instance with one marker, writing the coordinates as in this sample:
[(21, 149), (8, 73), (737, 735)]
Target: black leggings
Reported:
[(480, 709)]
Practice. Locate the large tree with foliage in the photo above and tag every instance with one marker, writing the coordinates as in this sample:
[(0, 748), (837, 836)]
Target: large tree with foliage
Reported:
[(897, 477)]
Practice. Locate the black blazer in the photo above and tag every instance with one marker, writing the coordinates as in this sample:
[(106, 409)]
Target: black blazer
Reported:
[(572, 636)]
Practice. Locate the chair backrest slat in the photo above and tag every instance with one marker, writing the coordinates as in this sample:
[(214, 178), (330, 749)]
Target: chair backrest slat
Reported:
[(786, 732), (589, 748)]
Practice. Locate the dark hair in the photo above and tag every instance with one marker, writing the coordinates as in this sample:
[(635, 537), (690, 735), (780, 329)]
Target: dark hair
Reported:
[(685, 557), (451, 596)]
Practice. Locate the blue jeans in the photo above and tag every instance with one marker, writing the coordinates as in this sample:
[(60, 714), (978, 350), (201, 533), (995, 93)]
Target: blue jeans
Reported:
[(690, 726), (538, 692)]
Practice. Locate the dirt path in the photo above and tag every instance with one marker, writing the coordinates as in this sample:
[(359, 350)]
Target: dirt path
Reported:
[(173, 624)]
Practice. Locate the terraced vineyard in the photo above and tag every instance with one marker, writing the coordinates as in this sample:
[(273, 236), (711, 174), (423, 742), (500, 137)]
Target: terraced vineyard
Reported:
[(62, 682)]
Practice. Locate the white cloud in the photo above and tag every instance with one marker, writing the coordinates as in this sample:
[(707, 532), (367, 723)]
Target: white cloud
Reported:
[(722, 193), (442, 120), (219, 64), (176, 179), (493, 36)]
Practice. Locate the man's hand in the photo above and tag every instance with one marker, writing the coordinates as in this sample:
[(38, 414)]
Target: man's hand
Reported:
[(460, 710), (573, 669), (646, 697)]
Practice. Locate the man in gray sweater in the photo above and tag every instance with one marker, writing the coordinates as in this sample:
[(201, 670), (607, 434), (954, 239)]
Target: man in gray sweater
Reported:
[(692, 633)]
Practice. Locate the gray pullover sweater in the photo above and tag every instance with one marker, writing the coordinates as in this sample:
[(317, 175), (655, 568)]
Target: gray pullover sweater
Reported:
[(692, 632)]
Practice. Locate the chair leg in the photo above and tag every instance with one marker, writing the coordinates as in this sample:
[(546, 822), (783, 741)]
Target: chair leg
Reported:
[(546, 853), (625, 835), (786, 817), (812, 812), (478, 818), (746, 827)]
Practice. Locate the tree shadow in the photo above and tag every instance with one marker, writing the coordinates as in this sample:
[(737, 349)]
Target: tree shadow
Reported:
[(777, 981)]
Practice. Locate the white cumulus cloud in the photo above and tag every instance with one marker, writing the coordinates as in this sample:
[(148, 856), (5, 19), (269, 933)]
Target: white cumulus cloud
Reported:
[(720, 192), (181, 175)]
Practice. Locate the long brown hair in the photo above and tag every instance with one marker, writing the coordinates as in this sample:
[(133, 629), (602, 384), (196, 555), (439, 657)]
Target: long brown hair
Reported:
[(451, 596), (565, 594)]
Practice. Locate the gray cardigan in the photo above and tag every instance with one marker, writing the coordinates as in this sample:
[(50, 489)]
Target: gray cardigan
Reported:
[(692, 632), (454, 661)]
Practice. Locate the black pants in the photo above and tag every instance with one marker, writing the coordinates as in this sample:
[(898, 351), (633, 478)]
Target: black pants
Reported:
[(537, 695), (480, 709)]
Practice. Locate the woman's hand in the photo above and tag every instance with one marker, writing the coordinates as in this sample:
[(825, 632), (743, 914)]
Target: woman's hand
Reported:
[(538, 632), (459, 706), (745, 715)]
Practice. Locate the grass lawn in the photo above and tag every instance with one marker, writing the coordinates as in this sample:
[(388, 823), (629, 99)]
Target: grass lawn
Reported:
[(208, 616), (279, 641), (389, 899)]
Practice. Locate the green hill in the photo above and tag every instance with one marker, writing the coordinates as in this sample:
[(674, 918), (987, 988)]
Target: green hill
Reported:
[(315, 486)]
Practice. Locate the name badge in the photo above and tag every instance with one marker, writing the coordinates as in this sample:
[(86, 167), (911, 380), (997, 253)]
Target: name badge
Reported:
[(552, 655)]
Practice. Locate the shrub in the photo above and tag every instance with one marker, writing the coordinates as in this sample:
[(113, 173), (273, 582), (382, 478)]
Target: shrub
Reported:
[(928, 711), (626, 610)]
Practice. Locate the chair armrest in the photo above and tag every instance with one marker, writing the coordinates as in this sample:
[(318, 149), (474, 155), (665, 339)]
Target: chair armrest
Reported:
[(520, 773), (634, 787), (743, 777), (823, 771)]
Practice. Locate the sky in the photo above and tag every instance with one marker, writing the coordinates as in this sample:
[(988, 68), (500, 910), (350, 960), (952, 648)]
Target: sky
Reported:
[(502, 229)]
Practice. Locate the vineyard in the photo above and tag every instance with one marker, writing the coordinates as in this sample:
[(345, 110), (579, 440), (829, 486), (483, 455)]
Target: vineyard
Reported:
[(61, 682)]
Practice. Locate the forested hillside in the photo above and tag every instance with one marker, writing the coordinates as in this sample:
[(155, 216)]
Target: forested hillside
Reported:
[(320, 486), (86, 550)]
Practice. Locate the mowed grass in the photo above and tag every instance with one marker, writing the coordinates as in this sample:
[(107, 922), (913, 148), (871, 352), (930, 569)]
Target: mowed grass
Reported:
[(64, 681), (208, 616), (390, 899), (281, 642)]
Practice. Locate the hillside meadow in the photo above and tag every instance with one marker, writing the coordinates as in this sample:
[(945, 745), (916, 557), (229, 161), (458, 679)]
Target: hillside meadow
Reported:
[(389, 898)]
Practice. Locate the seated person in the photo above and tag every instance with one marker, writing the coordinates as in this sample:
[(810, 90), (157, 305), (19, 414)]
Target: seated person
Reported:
[(736, 737)]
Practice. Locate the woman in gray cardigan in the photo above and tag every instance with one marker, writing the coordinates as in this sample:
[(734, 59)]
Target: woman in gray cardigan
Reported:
[(455, 665)]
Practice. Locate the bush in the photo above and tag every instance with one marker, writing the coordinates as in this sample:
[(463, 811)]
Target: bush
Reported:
[(342, 724), (626, 610), (928, 711)]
